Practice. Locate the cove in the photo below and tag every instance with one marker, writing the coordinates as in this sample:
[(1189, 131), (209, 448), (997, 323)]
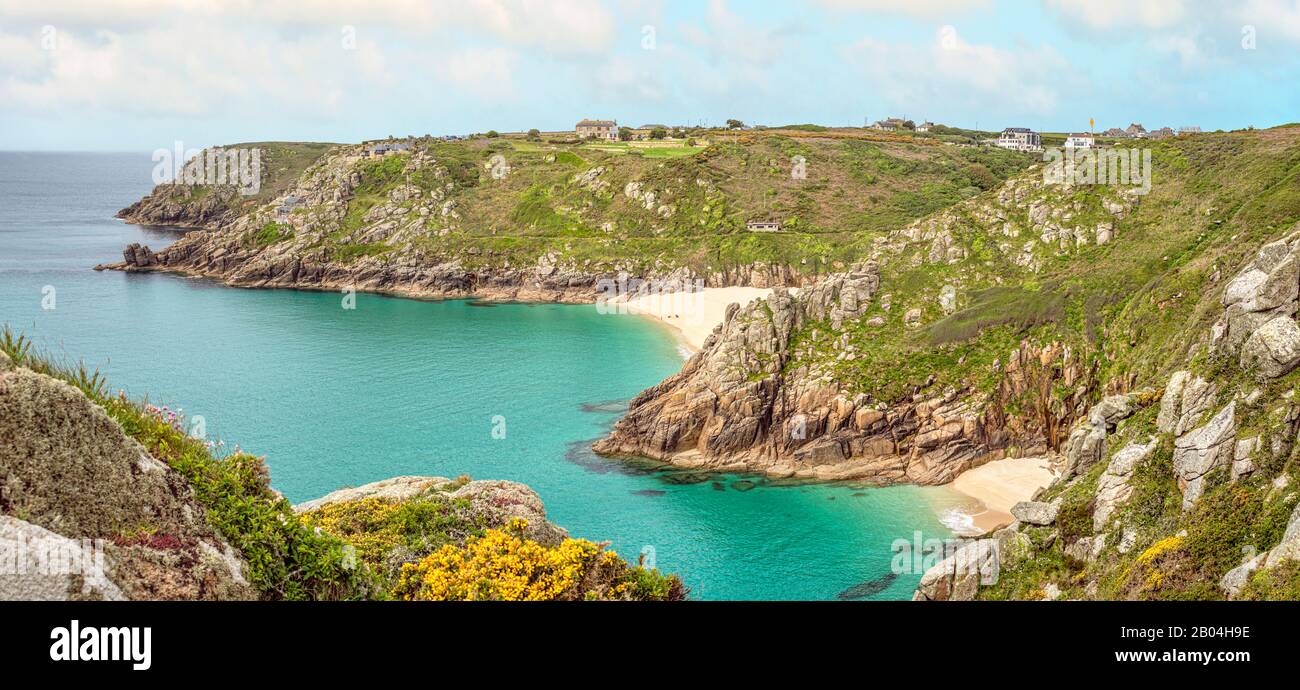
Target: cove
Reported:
[(339, 397)]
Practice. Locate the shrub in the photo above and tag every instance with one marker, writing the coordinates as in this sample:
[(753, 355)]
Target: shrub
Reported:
[(385, 532), (503, 565)]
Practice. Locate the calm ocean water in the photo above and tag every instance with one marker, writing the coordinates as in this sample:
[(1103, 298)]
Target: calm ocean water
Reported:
[(338, 397)]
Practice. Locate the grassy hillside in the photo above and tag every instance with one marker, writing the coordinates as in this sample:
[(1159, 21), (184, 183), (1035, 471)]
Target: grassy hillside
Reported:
[(492, 201), (1134, 309), (690, 208), (1134, 305)]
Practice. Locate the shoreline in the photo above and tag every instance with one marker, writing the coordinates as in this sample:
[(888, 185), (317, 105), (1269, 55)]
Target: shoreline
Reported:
[(985, 494), (692, 315)]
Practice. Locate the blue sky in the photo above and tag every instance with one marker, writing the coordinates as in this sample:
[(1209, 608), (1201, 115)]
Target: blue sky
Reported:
[(143, 74)]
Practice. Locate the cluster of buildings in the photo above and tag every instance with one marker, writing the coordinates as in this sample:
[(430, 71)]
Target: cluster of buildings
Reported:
[(894, 124), (1025, 139), (1137, 131), (383, 148)]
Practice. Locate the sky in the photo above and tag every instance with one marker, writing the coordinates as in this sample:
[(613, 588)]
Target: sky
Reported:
[(139, 75)]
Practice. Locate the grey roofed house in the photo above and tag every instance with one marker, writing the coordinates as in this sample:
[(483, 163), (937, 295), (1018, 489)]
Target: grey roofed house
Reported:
[(600, 129), (387, 147), (763, 226), (290, 203), (889, 124)]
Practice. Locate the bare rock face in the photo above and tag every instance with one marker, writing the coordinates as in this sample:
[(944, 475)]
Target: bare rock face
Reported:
[(1268, 288), (1086, 445), (1186, 398), (738, 405), (959, 576), (1113, 488), (1202, 450), (72, 482), (1289, 548)]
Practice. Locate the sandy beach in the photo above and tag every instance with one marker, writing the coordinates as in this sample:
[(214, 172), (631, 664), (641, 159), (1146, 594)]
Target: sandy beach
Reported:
[(998, 485), (694, 314)]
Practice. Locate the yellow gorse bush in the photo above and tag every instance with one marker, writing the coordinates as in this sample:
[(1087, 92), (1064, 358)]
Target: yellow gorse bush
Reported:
[(502, 565), (1155, 577), (365, 524)]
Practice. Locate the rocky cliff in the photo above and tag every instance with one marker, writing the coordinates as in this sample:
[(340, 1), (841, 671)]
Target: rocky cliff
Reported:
[(788, 387), (540, 221), (87, 513), (1186, 486)]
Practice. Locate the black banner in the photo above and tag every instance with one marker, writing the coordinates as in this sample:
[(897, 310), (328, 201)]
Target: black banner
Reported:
[(172, 640)]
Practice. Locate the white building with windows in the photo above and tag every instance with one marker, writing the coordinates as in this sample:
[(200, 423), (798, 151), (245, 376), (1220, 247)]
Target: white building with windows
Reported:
[(1019, 139), (1079, 141)]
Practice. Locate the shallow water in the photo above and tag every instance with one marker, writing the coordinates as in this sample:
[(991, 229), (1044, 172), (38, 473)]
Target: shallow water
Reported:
[(337, 397)]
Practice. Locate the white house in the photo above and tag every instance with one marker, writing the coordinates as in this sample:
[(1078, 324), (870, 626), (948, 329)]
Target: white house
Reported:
[(1019, 139), (924, 126), (1079, 141), (763, 226)]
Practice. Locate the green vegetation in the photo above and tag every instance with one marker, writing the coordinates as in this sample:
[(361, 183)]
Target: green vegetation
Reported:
[(287, 560), (270, 234)]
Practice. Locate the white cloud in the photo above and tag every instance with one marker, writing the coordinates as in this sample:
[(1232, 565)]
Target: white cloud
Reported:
[(1110, 14), (560, 27), (484, 72), (1280, 17), (926, 9), (953, 73)]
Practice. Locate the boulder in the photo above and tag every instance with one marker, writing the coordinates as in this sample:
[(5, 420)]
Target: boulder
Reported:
[(54, 567), (1289, 548), (959, 576), (1273, 350), (502, 501), (394, 489), (1036, 512), (1242, 464), (1234, 581), (948, 299), (1111, 410)]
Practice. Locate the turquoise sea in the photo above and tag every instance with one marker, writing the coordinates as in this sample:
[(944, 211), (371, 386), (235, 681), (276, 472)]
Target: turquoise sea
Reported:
[(336, 397)]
